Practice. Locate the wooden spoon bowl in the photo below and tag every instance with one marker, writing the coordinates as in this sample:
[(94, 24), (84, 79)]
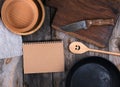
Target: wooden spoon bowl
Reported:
[(79, 48)]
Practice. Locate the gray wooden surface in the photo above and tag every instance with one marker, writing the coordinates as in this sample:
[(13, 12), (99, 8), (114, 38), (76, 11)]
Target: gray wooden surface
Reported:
[(47, 33), (11, 70)]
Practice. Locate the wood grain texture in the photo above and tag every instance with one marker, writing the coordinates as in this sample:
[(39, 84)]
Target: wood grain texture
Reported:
[(47, 33), (11, 72), (70, 58), (76, 10), (43, 34), (59, 78), (114, 44)]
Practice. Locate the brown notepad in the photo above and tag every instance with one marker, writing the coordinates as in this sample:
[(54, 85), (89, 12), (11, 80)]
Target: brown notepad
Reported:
[(43, 57)]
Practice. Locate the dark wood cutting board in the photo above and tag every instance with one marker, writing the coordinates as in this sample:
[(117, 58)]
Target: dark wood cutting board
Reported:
[(70, 11)]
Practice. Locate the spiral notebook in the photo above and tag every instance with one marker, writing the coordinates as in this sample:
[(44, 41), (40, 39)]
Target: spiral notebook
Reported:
[(43, 57)]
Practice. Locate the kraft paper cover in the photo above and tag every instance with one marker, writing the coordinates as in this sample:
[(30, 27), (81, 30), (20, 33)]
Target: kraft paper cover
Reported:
[(43, 57)]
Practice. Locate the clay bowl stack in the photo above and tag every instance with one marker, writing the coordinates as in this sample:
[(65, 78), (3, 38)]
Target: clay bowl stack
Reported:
[(23, 17)]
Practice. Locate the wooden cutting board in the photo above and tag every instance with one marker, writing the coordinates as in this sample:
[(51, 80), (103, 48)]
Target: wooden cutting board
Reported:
[(70, 11)]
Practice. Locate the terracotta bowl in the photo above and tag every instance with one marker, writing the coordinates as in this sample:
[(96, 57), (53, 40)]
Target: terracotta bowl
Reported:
[(19, 15)]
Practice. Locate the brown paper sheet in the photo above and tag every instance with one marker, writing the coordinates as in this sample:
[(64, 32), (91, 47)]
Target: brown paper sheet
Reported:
[(43, 57)]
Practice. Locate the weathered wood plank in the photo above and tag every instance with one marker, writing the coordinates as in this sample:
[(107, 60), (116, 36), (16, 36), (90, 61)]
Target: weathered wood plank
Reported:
[(11, 69), (11, 72), (98, 54), (40, 80), (59, 78), (114, 44), (70, 59), (1, 71)]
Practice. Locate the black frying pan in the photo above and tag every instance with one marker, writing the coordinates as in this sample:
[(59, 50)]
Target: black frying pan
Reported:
[(93, 72)]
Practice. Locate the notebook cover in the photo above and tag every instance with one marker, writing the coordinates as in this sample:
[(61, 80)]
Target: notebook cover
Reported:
[(43, 57)]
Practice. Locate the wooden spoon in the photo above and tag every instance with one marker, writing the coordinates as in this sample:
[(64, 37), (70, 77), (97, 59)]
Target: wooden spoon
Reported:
[(79, 48)]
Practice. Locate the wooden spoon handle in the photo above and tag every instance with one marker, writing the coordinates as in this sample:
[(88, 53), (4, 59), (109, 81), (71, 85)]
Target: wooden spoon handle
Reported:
[(105, 52)]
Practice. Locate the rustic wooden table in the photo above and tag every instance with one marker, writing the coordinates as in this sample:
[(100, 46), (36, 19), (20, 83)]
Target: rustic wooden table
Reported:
[(11, 71)]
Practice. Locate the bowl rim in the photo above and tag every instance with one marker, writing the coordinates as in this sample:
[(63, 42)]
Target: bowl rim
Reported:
[(39, 24), (12, 28)]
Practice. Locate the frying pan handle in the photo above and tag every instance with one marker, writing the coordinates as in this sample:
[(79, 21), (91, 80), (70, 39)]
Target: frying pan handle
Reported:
[(100, 22)]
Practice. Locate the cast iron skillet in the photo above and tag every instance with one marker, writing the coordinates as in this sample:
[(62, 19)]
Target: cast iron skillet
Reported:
[(93, 72)]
